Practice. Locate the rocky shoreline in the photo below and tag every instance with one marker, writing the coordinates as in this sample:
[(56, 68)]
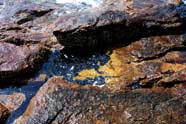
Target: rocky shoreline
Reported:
[(122, 62)]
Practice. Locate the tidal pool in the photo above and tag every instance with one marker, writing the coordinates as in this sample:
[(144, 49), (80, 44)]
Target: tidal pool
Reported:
[(67, 65)]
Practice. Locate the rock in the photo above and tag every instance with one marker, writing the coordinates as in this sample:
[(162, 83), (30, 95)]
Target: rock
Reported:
[(22, 51), (22, 11), (13, 33), (16, 61), (143, 63), (61, 102), (12, 101), (4, 113), (121, 21)]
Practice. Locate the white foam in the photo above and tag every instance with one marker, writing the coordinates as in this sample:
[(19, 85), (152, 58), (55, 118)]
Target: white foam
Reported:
[(93, 3)]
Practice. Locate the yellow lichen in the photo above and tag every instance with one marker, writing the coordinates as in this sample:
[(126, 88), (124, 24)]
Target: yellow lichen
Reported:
[(87, 73), (112, 70)]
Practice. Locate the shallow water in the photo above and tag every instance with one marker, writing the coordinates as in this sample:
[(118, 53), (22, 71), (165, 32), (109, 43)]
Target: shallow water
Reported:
[(67, 65)]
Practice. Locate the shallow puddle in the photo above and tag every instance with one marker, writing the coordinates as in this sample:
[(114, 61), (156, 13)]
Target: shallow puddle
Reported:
[(67, 65)]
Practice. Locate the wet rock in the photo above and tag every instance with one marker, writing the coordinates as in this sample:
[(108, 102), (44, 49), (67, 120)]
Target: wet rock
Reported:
[(131, 20), (4, 113), (142, 63), (17, 61), (58, 101)]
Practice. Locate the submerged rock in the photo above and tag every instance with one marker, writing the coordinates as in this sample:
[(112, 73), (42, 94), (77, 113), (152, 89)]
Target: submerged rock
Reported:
[(59, 102)]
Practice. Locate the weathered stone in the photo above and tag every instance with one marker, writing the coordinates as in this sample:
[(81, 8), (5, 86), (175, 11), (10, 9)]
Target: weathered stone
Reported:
[(13, 33), (22, 11), (16, 61), (12, 101), (120, 21), (4, 113), (143, 63), (59, 102)]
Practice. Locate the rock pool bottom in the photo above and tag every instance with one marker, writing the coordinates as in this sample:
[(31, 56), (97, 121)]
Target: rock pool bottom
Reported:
[(68, 64)]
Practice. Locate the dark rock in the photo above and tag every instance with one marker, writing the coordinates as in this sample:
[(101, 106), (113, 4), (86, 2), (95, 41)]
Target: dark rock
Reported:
[(4, 113), (121, 21), (59, 102)]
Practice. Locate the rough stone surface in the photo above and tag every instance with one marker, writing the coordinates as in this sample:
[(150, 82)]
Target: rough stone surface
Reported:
[(59, 102), (16, 61), (147, 62), (12, 101), (144, 69), (22, 51), (131, 19)]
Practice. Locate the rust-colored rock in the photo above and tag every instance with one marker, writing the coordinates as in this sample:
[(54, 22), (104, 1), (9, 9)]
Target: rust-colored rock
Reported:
[(145, 63), (120, 21), (16, 61), (59, 102)]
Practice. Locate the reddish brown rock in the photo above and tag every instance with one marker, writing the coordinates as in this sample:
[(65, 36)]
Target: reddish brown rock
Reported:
[(143, 63), (121, 21), (16, 61), (16, 34), (59, 102)]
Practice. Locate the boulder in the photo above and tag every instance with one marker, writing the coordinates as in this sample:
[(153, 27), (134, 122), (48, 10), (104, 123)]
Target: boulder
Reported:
[(16, 61), (120, 21), (60, 102)]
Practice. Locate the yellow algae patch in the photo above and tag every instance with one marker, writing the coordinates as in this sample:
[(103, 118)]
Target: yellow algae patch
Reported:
[(114, 67), (116, 70), (42, 76), (87, 73)]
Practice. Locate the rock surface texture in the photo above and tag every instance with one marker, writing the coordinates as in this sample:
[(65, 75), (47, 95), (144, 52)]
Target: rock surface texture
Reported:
[(133, 64), (62, 103)]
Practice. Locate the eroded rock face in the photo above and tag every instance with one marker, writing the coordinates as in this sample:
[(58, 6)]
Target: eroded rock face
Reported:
[(131, 19), (18, 60), (59, 102)]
